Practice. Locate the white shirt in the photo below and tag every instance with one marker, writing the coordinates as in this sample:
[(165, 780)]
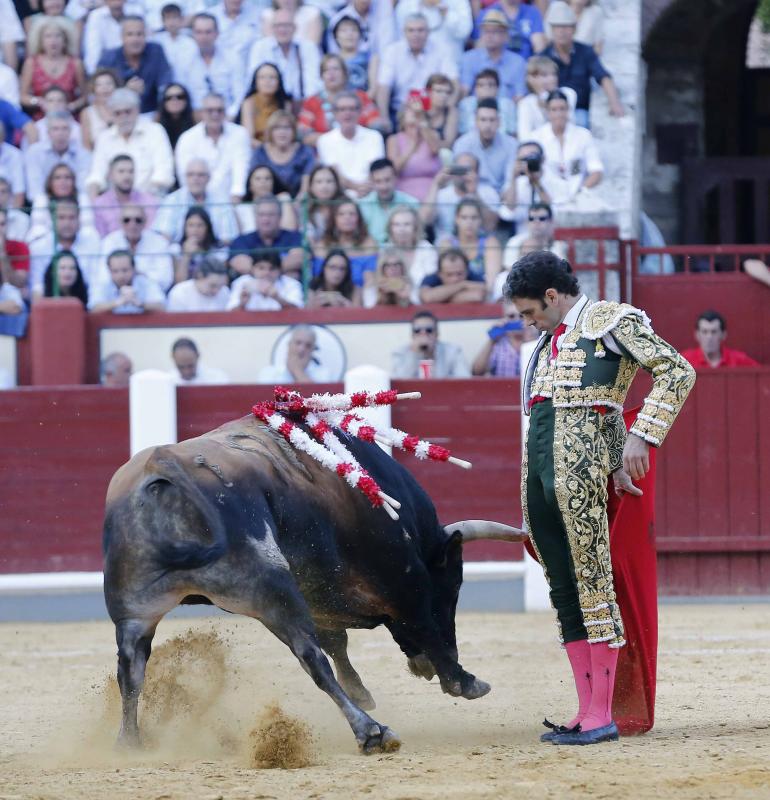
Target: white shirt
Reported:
[(530, 116), (102, 32), (449, 30), (11, 29), (236, 35), (17, 224), (204, 375), (300, 69), (40, 158), (40, 221), (87, 248), (223, 75), (9, 85), (351, 157), (41, 126), (8, 292), (228, 157), (565, 166), (276, 374), (150, 148), (402, 70), (146, 289), (151, 257), (446, 205), (179, 53), (288, 288), (186, 297), (12, 167)]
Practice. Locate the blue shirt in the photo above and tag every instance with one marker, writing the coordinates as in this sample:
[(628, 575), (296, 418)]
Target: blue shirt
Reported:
[(529, 20), (13, 120), (584, 64), (495, 161), (431, 281), (511, 69), (249, 242), (358, 266), (154, 70)]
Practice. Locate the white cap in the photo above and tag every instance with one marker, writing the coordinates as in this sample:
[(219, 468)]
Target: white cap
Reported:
[(559, 13)]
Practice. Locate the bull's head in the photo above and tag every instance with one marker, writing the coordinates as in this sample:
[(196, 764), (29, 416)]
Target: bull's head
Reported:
[(447, 572)]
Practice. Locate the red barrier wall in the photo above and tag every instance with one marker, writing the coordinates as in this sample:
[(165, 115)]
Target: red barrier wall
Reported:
[(58, 449)]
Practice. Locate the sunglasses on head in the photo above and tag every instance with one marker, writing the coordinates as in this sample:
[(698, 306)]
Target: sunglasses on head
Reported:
[(428, 330), (133, 219)]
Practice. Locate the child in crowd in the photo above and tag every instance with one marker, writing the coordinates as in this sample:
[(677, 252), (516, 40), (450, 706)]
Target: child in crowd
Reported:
[(266, 288)]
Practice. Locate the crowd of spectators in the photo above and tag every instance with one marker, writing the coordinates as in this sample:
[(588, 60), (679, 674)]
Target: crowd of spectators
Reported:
[(249, 155)]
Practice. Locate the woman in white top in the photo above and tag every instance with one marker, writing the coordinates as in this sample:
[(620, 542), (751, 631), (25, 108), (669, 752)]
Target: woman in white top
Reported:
[(405, 233), (207, 291), (60, 184), (97, 116), (542, 78), (308, 20), (572, 164)]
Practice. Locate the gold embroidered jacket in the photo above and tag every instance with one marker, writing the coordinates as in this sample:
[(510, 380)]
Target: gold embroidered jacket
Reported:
[(586, 373)]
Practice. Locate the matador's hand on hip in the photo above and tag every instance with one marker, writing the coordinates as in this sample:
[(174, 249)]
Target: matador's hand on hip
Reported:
[(636, 457)]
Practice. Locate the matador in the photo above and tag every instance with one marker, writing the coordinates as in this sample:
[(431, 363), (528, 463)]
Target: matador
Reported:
[(573, 389)]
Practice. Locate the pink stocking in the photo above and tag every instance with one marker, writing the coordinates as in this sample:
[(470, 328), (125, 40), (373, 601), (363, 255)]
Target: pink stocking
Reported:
[(579, 654), (604, 661)]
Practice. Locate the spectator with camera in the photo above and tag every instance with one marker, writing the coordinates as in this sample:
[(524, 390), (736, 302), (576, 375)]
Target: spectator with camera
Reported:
[(413, 150), (451, 185), (499, 356), (527, 183), (492, 53)]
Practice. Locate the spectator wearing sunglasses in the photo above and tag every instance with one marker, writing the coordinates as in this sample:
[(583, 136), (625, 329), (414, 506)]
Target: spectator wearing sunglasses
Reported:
[(427, 357), (538, 235), (149, 250)]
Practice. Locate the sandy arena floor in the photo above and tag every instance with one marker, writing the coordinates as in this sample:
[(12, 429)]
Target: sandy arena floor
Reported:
[(207, 691)]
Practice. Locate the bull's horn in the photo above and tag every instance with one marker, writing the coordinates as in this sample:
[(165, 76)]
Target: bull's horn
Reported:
[(474, 529)]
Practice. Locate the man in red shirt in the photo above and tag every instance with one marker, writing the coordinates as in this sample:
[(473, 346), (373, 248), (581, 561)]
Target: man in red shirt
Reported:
[(14, 257), (710, 334)]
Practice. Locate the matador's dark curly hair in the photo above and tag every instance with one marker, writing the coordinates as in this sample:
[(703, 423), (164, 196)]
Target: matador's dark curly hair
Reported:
[(531, 275)]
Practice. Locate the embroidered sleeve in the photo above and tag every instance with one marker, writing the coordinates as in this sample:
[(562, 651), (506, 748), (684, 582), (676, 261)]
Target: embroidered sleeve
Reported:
[(614, 432), (672, 376)]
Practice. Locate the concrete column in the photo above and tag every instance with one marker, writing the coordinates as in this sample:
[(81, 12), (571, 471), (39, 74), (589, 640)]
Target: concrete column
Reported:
[(152, 409), (370, 379)]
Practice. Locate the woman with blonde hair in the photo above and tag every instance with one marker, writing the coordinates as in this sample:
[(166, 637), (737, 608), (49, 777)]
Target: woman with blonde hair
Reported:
[(542, 79), (51, 61), (405, 233), (290, 160), (390, 284)]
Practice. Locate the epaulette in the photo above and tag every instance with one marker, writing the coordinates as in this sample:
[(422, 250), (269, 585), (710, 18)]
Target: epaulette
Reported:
[(602, 317)]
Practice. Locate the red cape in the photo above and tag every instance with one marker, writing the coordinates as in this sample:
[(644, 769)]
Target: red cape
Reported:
[(634, 566)]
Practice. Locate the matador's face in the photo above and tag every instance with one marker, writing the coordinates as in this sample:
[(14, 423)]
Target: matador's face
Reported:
[(542, 314)]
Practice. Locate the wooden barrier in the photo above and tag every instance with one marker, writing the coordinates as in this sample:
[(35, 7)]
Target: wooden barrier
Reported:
[(60, 446)]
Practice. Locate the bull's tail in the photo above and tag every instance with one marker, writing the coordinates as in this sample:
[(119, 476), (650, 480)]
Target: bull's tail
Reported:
[(167, 471)]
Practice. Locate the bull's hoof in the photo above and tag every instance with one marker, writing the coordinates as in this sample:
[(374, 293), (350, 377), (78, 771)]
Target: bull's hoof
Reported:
[(128, 740), (421, 667), (477, 688), (379, 739), (452, 688)]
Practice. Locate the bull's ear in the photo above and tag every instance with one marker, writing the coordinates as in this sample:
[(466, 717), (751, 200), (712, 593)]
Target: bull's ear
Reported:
[(452, 549)]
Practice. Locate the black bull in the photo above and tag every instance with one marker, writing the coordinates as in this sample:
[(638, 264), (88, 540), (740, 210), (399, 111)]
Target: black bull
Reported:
[(239, 519)]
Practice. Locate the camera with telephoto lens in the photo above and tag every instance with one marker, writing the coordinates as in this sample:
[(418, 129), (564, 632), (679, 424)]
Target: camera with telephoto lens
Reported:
[(534, 163)]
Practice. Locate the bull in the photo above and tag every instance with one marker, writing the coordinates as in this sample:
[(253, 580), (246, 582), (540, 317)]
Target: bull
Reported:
[(239, 519)]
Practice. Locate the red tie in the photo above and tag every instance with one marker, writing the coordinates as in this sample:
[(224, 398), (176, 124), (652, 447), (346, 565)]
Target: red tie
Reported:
[(560, 329)]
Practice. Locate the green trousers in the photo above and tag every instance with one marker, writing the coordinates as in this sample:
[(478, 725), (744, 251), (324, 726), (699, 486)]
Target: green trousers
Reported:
[(547, 526)]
